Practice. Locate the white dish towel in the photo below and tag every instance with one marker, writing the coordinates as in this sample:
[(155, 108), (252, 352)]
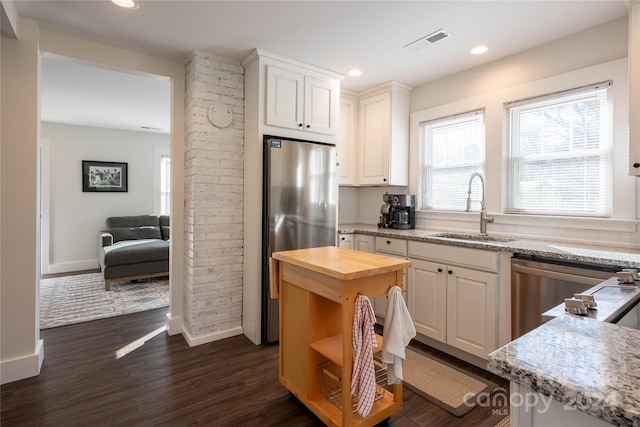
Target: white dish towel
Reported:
[(398, 331)]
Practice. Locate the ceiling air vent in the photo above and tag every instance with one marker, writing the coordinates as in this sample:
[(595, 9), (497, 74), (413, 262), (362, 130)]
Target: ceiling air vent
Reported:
[(432, 38)]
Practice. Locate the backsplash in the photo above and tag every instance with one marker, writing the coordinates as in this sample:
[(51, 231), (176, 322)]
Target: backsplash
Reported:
[(362, 205)]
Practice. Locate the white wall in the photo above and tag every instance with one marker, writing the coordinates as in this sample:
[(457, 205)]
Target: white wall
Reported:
[(21, 350), (75, 218), (562, 64)]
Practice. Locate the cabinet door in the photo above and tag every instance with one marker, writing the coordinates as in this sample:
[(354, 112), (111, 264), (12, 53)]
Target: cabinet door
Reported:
[(373, 167), (320, 106), (427, 287), (285, 98), (345, 241), (347, 143), (364, 243), (380, 303), (471, 310)]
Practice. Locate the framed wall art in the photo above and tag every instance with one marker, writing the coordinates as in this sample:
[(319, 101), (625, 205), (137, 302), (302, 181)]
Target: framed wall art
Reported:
[(104, 177)]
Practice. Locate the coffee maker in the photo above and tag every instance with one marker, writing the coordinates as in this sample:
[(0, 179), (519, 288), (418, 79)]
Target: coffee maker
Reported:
[(398, 211)]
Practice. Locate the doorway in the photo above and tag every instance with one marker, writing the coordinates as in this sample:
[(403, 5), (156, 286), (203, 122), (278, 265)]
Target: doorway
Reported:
[(89, 111)]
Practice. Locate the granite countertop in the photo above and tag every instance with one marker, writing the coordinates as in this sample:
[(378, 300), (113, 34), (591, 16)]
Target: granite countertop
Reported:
[(590, 365), (628, 258)]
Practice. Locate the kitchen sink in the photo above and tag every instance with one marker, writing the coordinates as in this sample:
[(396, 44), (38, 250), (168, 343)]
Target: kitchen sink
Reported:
[(475, 237)]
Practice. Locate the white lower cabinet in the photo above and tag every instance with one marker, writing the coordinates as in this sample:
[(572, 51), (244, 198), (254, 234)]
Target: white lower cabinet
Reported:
[(451, 291), (396, 248), (453, 304), (471, 310), (428, 298), (364, 243), (345, 241)]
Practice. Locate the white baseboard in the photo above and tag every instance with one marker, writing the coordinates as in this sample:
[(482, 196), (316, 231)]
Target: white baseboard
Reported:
[(67, 267), (22, 367), (174, 324), (215, 336)]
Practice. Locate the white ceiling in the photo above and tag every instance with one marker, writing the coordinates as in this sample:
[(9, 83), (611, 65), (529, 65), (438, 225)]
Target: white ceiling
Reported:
[(337, 35)]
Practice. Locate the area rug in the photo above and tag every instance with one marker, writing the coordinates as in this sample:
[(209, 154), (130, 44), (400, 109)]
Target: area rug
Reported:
[(81, 298), (443, 384)]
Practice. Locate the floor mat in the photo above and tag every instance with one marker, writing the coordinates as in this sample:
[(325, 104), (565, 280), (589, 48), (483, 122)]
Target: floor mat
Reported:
[(452, 389)]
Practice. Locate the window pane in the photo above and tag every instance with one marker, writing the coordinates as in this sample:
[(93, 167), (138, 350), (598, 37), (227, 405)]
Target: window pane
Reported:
[(165, 185), (453, 149), (559, 153)]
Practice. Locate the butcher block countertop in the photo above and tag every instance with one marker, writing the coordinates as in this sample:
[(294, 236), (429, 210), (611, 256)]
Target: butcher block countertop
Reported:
[(341, 263)]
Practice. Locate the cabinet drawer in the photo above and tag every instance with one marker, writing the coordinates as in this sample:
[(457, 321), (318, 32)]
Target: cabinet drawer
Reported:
[(456, 255), (391, 245)]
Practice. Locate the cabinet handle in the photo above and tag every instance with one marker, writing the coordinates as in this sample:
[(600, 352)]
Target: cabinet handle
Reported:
[(337, 163), (388, 242), (343, 238), (299, 125), (384, 179), (439, 270), (450, 272), (636, 165), (308, 126)]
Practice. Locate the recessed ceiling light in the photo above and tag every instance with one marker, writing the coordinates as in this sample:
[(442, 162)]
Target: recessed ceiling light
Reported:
[(127, 4), (355, 73), (478, 50)]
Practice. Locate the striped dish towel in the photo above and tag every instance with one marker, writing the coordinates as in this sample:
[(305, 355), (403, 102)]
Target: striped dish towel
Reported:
[(363, 380)]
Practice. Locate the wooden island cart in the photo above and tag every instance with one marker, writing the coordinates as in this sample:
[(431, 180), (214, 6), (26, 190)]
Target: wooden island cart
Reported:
[(317, 289)]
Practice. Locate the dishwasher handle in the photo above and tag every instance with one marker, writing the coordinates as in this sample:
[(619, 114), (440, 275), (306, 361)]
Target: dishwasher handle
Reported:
[(557, 275)]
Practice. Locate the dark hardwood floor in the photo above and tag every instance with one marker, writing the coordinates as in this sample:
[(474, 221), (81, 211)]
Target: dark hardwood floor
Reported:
[(89, 379)]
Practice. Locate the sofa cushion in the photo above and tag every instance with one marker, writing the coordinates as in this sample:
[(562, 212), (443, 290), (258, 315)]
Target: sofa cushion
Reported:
[(134, 227), (135, 233), (136, 251)]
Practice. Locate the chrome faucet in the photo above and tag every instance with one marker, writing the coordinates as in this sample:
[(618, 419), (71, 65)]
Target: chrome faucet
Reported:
[(483, 213)]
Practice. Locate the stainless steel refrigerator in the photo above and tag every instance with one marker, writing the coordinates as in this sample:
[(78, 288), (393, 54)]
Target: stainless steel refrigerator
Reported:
[(299, 210)]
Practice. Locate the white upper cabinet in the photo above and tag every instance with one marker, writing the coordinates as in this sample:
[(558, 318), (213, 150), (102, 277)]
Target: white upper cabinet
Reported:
[(285, 98), (634, 89), (298, 101), (347, 142), (320, 106), (384, 135)]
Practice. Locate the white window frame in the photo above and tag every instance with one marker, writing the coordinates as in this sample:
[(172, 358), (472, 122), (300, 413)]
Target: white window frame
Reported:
[(427, 167), (158, 155), (513, 203)]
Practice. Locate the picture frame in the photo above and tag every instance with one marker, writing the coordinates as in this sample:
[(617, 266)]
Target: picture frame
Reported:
[(105, 177)]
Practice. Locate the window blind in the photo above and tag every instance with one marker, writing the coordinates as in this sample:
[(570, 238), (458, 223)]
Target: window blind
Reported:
[(165, 185), (559, 153), (453, 149)]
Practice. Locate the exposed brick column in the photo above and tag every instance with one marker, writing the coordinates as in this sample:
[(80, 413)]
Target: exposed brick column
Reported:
[(213, 200)]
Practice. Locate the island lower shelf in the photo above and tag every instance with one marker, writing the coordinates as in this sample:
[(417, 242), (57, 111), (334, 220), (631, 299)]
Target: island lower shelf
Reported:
[(331, 347)]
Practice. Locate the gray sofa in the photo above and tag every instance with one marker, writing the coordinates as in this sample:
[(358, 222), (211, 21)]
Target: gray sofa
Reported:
[(134, 247)]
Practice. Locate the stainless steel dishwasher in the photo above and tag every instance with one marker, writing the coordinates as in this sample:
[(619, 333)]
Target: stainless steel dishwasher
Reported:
[(539, 284)]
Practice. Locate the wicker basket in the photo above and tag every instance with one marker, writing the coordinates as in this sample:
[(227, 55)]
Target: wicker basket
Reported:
[(331, 382)]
